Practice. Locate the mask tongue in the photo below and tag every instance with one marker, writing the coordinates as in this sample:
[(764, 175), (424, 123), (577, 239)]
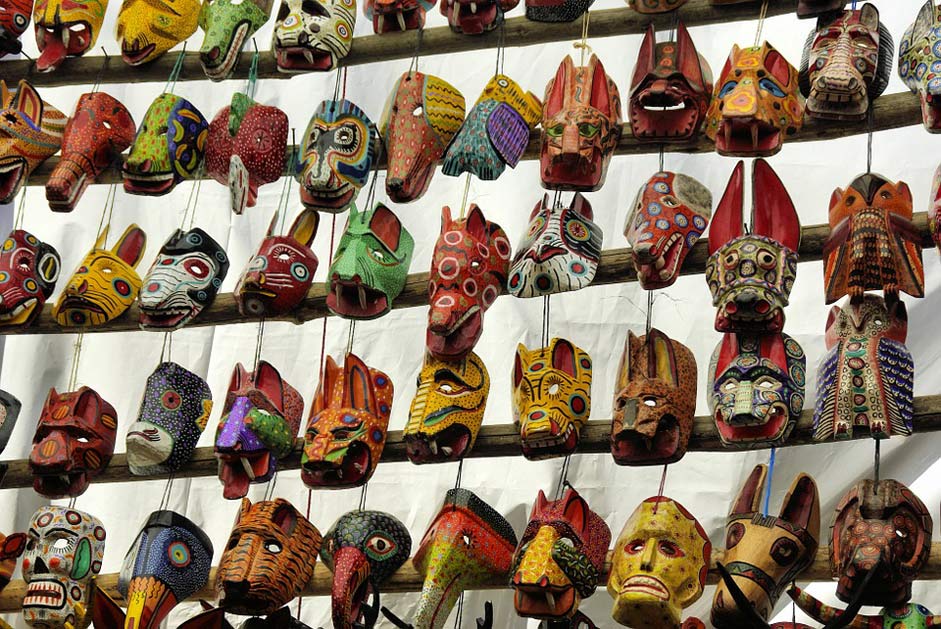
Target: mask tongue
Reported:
[(52, 55)]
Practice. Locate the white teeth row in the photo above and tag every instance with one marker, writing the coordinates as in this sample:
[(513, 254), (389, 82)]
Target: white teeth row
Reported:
[(551, 441), (446, 450), (398, 18), (16, 312)]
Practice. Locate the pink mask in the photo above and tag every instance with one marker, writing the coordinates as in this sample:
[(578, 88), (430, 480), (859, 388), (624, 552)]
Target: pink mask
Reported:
[(29, 269)]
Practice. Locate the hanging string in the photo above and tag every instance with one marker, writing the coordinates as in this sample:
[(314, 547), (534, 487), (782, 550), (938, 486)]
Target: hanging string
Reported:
[(286, 186), (269, 492), (258, 340), (165, 500), (104, 64), (252, 73), (649, 321), (663, 482), (460, 612), (876, 460), (339, 86), (582, 45), (362, 497), (72, 502), (770, 481), (661, 158), (349, 339), (175, 72), (18, 220), (76, 357), (192, 199), (794, 583), (544, 335), (166, 346), (460, 473), (869, 144), (108, 209), (563, 476), (501, 49), (467, 183), (413, 66), (761, 21)]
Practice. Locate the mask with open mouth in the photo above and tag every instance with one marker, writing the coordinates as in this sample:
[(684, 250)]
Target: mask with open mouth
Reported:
[(168, 148), (30, 132), (147, 29), (348, 425), (756, 105), (9, 412), (66, 28), (29, 269), (370, 266), (228, 24), (919, 57), (556, 10), (14, 18), (395, 16), (11, 547), (313, 34), (260, 420), (64, 550), (476, 18)]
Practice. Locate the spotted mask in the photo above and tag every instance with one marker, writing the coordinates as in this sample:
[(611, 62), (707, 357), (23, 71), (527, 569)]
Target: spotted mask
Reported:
[(29, 269), (149, 28), (556, 10), (476, 18), (9, 412), (934, 210), (920, 63), (393, 16), (313, 35), (14, 18), (228, 24), (66, 28)]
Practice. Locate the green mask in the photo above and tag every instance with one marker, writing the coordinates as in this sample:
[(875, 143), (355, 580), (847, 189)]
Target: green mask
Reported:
[(228, 24)]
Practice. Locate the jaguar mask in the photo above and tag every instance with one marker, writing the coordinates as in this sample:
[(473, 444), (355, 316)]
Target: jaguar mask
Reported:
[(919, 57), (228, 24), (149, 28), (66, 28), (313, 37), (478, 18), (29, 269), (14, 18), (393, 16)]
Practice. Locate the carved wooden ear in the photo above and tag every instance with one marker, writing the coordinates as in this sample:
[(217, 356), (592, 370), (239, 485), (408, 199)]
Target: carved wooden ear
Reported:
[(575, 511), (304, 228), (239, 375), (904, 191), (600, 90), (545, 203), (581, 206), (522, 355), (802, 505), (359, 389), (558, 97), (5, 96), (727, 224), (446, 219), (385, 225), (687, 57), (661, 361), (244, 509), (749, 497), (102, 239), (476, 224), (29, 103), (541, 503), (212, 619), (869, 17), (773, 215), (268, 380), (646, 58), (627, 370), (325, 389), (563, 357), (285, 518), (778, 66), (131, 245), (87, 405)]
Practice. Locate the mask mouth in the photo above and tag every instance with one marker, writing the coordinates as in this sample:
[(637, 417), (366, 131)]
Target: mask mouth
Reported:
[(883, 589), (449, 444), (302, 59), (239, 598), (394, 20), (549, 443), (155, 185), (745, 428), (332, 200), (660, 271), (414, 184), (747, 136), (534, 601), (838, 103), (473, 18), (53, 484), (754, 314), (217, 68), (352, 470), (62, 193), (255, 300), (12, 175), (353, 299), (44, 593), (631, 447), (134, 54), (238, 470), (664, 114), (454, 342), (165, 318), (646, 586), (18, 313)]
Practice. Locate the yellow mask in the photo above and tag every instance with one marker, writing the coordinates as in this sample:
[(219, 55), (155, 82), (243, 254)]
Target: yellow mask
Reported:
[(149, 28)]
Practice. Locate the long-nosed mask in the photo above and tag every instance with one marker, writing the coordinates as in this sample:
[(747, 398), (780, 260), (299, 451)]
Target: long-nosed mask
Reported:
[(313, 34), (919, 54), (14, 18), (477, 18), (29, 269), (394, 16), (66, 28), (147, 29), (30, 132), (228, 24)]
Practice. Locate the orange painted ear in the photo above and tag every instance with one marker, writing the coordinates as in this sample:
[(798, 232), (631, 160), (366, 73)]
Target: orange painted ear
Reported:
[(727, 224), (104, 611), (778, 66), (545, 201), (646, 58), (359, 390), (29, 103), (600, 90), (558, 96), (749, 497), (476, 224), (904, 191), (244, 509), (446, 221), (285, 518), (661, 360)]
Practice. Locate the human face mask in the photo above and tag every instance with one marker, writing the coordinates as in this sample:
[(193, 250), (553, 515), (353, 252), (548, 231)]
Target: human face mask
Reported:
[(149, 28), (313, 36), (228, 24), (29, 269), (66, 28)]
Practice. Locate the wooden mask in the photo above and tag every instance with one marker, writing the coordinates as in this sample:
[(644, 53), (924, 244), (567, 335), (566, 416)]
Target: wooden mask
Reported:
[(655, 6), (655, 400), (11, 547), (105, 284), (347, 426), (757, 103), (764, 553), (14, 18), (394, 16), (30, 132), (934, 210), (228, 24), (865, 381), (813, 8), (580, 127), (919, 53), (66, 28), (898, 616), (29, 269), (750, 274), (472, 18), (97, 133), (313, 37), (9, 412), (147, 29), (556, 10)]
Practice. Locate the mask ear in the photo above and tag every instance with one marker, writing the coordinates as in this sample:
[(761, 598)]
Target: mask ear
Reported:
[(521, 355), (563, 357), (626, 366), (13, 546), (575, 511), (869, 17), (557, 98), (285, 518), (728, 350), (29, 103), (802, 505), (661, 361), (600, 94), (777, 66), (325, 390), (244, 509), (774, 215), (268, 380), (727, 223), (545, 202), (749, 497), (476, 223), (203, 18), (446, 221), (213, 619), (687, 58), (581, 206), (87, 405), (359, 390), (541, 503), (5, 96), (304, 228), (239, 376), (646, 58), (385, 225), (131, 245), (102, 239)]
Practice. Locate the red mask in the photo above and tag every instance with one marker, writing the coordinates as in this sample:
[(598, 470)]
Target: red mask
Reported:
[(29, 269), (475, 18), (393, 16), (11, 547), (655, 6), (14, 18)]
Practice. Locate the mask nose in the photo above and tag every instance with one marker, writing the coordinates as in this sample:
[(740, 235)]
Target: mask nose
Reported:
[(743, 400), (40, 567), (748, 302), (649, 558)]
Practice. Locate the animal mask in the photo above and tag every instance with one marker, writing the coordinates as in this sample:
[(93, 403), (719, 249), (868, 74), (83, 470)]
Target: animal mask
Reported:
[(655, 6), (313, 37), (246, 148), (764, 553), (580, 127), (468, 272), (551, 398), (66, 27), (447, 410), (670, 213), (873, 244), (560, 251), (73, 442), (30, 132), (556, 10), (655, 400), (261, 417), (934, 210), (496, 132), (29, 269), (11, 547), (901, 616), (228, 24), (660, 564), (671, 87), (560, 557), (756, 103), (63, 553), (919, 53), (750, 274), (9, 412), (14, 18), (173, 414), (347, 427), (476, 18), (105, 284), (391, 16), (866, 379), (149, 28), (420, 118), (370, 266), (168, 148), (184, 279), (277, 278)]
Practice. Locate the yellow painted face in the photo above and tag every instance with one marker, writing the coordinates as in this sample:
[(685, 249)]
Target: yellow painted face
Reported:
[(503, 89), (537, 563), (149, 28)]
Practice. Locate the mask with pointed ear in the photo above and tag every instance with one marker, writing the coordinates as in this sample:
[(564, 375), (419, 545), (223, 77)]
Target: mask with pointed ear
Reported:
[(347, 428), (228, 24), (29, 269), (556, 10), (146, 31), (313, 36), (66, 28), (14, 18), (919, 54)]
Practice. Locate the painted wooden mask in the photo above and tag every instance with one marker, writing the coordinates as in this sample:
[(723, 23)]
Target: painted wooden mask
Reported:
[(556, 10), (30, 132), (66, 28), (659, 565), (14, 18), (919, 56), (559, 252), (9, 412), (260, 419), (173, 414), (29, 269), (277, 278), (468, 272), (671, 87), (64, 551), (655, 6), (146, 29), (228, 24), (764, 553), (750, 274), (11, 547), (169, 147), (313, 37), (370, 266), (476, 18), (670, 213), (97, 133), (105, 284), (562, 554), (347, 427), (580, 127), (756, 105), (421, 116), (447, 410), (898, 616), (394, 16), (865, 381), (934, 210), (655, 400)]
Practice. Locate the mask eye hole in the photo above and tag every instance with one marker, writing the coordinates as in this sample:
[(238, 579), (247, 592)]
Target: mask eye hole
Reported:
[(61, 544), (784, 551), (466, 539), (446, 387), (734, 535), (650, 401), (554, 389), (312, 7), (635, 547), (418, 111), (283, 11), (272, 546), (82, 439), (380, 547), (670, 201), (669, 549)]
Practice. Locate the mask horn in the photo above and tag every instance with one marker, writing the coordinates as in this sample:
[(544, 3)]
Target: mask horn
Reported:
[(646, 58), (727, 222), (773, 214), (849, 615), (304, 228)]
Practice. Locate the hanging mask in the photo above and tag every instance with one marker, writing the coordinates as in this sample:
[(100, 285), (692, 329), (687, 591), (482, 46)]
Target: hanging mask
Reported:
[(414, 142), (671, 87), (551, 398), (659, 565), (105, 284), (182, 281), (813, 8), (29, 269), (11, 547), (370, 266), (757, 103), (901, 616), (172, 416), (14, 18), (311, 37), (670, 213), (764, 553), (228, 24), (562, 554), (496, 132), (468, 272), (66, 28), (168, 148), (246, 148), (362, 550), (260, 419), (73, 442), (865, 381), (277, 278), (750, 274), (934, 210), (30, 132), (581, 127), (149, 28), (447, 410), (393, 16), (655, 6), (348, 425), (478, 18), (556, 10), (560, 252), (9, 412), (919, 54), (63, 554)]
